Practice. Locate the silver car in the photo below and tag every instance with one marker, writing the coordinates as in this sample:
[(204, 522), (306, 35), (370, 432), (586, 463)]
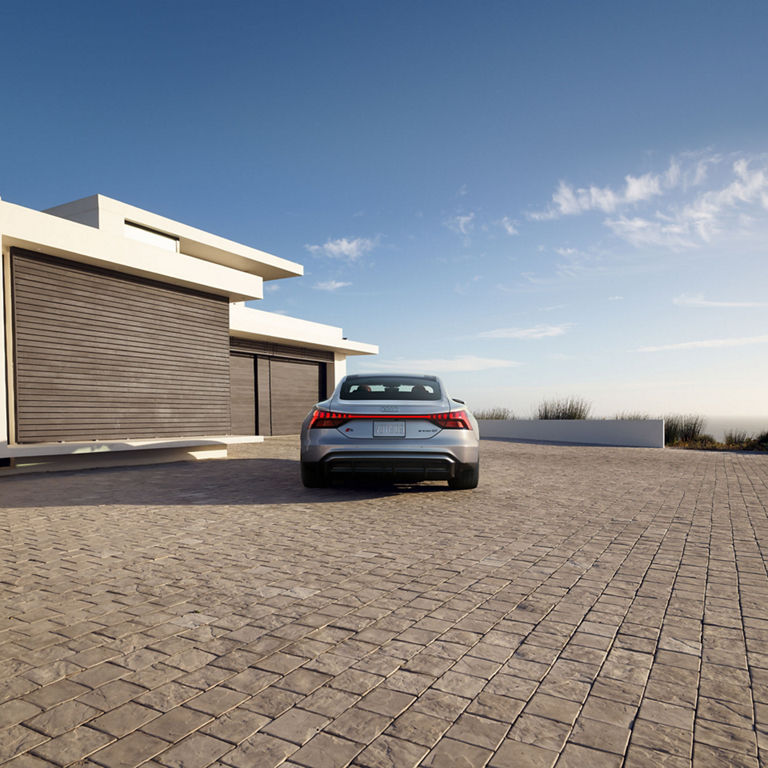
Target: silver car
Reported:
[(402, 426)]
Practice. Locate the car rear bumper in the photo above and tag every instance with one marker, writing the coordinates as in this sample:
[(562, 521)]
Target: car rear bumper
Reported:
[(411, 467)]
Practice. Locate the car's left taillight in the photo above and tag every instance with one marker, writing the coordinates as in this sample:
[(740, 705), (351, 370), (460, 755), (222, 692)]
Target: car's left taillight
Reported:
[(327, 419)]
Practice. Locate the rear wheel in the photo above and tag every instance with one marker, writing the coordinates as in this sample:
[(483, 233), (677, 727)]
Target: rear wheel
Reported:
[(466, 478), (312, 475)]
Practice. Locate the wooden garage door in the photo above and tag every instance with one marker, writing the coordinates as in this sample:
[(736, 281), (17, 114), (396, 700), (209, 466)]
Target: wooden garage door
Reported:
[(294, 388), (104, 355), (242, 403)]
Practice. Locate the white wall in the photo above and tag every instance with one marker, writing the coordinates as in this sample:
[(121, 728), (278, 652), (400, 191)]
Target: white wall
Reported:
[(646, 433), (339, 368), (4, 404)]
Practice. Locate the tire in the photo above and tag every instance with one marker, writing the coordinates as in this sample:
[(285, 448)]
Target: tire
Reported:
[(312, 475), (466, 478)]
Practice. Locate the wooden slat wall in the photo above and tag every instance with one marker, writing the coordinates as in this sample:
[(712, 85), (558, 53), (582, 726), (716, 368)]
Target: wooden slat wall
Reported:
[(295, 388), (242, 395), (280, 350), (104, 355), (264, 411)]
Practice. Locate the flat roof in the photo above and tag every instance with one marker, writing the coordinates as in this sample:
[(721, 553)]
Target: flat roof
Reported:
[(108, 214), (258, 325)]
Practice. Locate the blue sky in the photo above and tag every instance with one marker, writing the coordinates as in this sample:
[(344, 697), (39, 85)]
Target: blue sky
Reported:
[(530, 199)]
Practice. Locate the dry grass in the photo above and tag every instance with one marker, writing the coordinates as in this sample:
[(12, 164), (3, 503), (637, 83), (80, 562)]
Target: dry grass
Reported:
[(682, 428), (564, 408), (736, 438), (495, 414), (687, 432)]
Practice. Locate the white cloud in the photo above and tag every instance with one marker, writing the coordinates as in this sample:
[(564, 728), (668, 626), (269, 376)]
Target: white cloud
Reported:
[(532, 278), (709, 344), (461, 224), (615, 298), (467, 285), (685, 172), (684, 300), (567, 201), (343, 248), (642, 188), (509, 226), (537, 332), (463, 364), (331, 285), (639, 232), (729, 208)]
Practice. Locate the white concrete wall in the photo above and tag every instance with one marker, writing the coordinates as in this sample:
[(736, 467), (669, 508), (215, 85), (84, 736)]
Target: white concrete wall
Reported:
[(647, 433), (339, 368), (85, 211), (4, 401)]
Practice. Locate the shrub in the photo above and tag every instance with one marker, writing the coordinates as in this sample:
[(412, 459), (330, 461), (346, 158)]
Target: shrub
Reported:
[(494, 414), (682, 429), (685, 432), (632, 416), (564, 408), (736, 438)]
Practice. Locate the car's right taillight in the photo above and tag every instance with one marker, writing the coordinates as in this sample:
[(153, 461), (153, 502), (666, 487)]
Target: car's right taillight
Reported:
[(451, 420)]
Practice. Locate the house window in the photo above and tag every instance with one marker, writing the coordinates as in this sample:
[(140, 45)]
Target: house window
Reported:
[(151, 237)]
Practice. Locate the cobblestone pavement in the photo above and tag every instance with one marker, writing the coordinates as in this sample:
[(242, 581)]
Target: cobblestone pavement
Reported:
[(589, 607)]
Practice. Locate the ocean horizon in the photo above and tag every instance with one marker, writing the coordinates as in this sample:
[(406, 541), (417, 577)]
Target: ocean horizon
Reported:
[(717, 426)]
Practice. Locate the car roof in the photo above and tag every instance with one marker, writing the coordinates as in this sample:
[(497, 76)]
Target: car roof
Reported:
[(352, 376)]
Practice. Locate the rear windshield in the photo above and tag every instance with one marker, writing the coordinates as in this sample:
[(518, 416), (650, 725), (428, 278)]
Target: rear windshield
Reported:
[(390, 388)]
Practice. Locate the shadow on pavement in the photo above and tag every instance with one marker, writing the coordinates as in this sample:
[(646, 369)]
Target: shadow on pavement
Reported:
[(254, 481)]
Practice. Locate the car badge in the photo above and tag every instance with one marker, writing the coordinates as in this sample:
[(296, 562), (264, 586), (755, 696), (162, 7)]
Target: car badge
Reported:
[(389, 409)]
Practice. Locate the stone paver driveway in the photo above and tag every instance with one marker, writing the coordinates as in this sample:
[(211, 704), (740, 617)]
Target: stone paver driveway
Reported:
[(586, 607)]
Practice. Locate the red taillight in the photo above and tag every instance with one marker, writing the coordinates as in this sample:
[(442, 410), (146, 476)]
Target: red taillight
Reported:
[(328, 419), (451, 420), (332, 419)]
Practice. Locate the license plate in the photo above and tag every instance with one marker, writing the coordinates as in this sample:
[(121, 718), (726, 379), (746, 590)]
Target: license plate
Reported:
[(389, 429)]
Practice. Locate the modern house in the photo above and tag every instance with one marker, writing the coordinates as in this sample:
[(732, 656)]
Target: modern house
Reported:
[(127, 339)]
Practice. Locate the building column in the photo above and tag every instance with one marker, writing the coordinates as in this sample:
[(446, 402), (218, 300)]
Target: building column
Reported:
[(5, 348), (337, 371)]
